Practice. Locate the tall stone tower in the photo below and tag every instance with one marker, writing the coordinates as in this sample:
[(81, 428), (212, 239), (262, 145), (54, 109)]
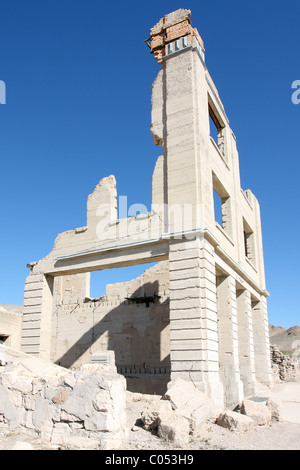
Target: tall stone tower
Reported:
[(218, 312)]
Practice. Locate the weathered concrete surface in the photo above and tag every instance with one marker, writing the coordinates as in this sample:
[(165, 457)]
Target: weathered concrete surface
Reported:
[(218, 332), (11, 325)]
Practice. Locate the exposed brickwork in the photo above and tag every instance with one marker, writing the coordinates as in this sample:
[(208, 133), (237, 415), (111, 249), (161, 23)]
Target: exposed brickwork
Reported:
[(170, 28)]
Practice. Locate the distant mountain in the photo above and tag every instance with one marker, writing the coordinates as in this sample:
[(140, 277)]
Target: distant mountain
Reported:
[(288, 341)]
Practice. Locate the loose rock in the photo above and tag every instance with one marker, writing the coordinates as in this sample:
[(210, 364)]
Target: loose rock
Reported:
[(259, 412), (235, 421)]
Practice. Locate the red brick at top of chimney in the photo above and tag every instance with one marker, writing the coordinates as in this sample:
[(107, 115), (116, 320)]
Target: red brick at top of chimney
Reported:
[(171, 27)]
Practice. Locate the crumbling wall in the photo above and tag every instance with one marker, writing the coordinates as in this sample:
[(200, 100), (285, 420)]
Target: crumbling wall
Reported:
[(193, 172), (132, 319), (11, 327), (70, 409), (283, 368)]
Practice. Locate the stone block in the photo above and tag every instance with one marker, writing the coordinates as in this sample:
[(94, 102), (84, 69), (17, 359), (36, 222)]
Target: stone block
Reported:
[(275, 408), (155, 412), (80, 443), (43, 414), (61, 396), (235, 421), (189, 402), (259, 412), (101, 402), (174, 428), (16, 398)]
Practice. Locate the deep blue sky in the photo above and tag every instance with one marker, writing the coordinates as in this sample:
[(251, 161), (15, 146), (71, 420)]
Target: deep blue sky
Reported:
[(78, 76)]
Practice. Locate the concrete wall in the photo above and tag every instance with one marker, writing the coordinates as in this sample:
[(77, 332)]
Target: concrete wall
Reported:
[(138, 333), (218, 332), (11, 327)]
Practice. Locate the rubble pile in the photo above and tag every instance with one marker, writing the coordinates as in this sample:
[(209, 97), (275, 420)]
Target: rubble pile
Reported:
[(181, 413), (85, 408), (283, 368)]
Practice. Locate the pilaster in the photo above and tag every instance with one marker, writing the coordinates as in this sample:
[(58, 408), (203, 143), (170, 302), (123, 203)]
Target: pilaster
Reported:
[(245, 337), (193, 316)]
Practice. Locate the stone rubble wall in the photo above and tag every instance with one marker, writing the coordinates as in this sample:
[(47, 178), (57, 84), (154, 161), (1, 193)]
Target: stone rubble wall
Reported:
[(85, 408), (283, 368)]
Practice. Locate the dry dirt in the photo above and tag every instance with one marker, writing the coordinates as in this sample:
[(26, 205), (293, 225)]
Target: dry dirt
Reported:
[(283, 435)]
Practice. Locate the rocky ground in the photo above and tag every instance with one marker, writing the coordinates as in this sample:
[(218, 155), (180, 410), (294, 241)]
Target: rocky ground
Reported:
[(282, 435)]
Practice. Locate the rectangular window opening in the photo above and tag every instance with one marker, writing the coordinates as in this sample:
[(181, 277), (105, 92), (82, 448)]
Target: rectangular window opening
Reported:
[(249, 245), (218, 208), (217, 129), (222, 206)]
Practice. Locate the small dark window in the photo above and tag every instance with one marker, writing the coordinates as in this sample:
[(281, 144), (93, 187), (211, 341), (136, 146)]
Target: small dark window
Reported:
[(3, 339)]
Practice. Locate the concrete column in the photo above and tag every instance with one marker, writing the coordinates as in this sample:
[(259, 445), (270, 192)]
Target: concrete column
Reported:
[(193, 317), (261, 341), (228, 340), (36, 327), (245, 338)]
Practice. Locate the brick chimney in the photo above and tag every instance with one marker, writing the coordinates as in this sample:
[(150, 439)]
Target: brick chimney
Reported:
[(172, 33)]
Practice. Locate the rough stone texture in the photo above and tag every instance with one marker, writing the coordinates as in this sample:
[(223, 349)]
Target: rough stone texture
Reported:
[(156, 412), (174, 428), (235, 421), (188, 402), (179, 414), (83, 408), (275, 408), (259, 412), (283, 368)]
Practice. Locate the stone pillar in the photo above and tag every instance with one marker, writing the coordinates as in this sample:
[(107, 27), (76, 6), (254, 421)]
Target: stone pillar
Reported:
[(36, 328), (228, 340), (261, 341), (193, 316), (245, 337)]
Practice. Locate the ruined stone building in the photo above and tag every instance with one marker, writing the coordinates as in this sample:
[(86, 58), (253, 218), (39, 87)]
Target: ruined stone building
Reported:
[(200, 313)]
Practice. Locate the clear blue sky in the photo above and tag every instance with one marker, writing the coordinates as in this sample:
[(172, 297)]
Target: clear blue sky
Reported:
[(78, 78)]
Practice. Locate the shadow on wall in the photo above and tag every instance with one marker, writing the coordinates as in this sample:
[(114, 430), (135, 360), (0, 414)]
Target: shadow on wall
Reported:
[(137, 330)]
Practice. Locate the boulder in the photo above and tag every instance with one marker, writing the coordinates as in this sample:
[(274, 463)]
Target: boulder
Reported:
[(189, 402), (259, 412), (156, 412), (64, 407), (174, 428), (235, 421), (275, 408)]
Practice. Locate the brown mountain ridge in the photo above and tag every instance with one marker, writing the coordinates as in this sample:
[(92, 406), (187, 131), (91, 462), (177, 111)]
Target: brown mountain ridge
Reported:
[(288, 341)]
